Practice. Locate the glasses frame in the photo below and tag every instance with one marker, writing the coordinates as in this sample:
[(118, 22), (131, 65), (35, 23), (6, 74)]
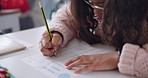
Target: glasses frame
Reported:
[(94, 6)]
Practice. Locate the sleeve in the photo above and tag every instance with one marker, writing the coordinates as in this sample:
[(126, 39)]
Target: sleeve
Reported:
[(64, 23), (134, 60)]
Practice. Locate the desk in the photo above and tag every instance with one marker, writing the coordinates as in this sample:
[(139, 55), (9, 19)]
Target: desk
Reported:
[(21, 71)]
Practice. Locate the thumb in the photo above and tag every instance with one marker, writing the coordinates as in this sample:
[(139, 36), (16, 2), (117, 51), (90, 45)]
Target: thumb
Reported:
[(56, 40)]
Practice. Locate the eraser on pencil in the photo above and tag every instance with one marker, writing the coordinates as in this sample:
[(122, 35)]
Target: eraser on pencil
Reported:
[(40, 4)]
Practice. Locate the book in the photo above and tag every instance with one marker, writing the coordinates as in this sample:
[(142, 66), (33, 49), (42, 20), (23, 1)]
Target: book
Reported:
[(8, 45)]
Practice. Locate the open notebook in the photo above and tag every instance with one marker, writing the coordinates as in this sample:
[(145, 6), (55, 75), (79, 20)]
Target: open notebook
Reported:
[(8, 45)]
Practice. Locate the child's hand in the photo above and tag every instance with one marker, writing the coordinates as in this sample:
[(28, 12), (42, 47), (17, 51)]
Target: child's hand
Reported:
[(47, 45), (107, 61)]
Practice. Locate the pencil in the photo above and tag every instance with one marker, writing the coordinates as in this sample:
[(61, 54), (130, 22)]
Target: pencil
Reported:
[(45, 21), (46, 24)]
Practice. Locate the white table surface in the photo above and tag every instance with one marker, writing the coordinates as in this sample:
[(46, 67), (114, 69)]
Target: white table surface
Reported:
[(33, 36)]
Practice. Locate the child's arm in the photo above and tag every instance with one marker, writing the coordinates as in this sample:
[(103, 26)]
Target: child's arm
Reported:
[(134, 60), (64, 23)]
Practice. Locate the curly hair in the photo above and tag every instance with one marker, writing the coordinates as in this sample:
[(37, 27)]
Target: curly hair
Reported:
[(124, 21), (84, 15)]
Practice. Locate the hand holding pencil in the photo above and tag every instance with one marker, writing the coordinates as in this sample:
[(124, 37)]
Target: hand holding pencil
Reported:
[(49, 42), (48, 46)]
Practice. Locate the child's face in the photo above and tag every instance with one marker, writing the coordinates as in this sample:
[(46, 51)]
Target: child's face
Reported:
[(98, 6)]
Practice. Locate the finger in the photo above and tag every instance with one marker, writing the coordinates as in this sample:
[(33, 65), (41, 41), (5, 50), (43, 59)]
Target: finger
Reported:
[(45, 51), (40, 44), (46, 36), (56, 40), (84, 68), (71, 61), (46, 43), (45, 33), (74, 64)]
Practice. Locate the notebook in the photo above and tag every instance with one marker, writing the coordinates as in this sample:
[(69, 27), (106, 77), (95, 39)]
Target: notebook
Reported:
[(8, 45)]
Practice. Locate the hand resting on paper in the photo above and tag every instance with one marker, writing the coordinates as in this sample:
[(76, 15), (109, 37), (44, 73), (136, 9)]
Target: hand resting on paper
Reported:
[(47, 46), (107, 61)]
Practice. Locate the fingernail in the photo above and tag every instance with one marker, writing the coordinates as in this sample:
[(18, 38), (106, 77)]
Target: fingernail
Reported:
[(68, 68), (77, 72), (65, 64)]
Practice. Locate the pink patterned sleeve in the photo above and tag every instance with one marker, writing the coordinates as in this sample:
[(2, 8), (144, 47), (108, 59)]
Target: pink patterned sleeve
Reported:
[(134, 60), (64, 23)]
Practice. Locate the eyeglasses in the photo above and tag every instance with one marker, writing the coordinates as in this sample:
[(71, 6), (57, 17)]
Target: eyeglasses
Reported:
[(95, 5)]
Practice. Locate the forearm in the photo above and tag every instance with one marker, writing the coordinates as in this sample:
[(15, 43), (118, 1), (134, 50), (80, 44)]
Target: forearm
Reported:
[(64, 24), (133, 60)]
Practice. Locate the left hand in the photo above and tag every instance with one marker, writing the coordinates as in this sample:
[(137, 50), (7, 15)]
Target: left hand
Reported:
[(107, 61)]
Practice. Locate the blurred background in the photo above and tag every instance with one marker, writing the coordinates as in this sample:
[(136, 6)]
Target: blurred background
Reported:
[(17, 15)]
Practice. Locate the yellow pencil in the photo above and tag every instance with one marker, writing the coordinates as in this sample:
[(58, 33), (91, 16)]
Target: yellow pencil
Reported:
[(45, 21)]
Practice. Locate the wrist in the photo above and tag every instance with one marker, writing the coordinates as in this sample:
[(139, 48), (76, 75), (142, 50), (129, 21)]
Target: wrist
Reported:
[(116, 57)]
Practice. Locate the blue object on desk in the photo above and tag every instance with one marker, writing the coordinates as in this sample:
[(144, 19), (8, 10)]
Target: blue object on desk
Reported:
[(64, 76)]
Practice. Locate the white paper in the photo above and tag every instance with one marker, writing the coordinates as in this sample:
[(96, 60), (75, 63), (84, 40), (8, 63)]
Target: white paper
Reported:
[(54, 66), (48, 67), (28, 45), (8, 45)]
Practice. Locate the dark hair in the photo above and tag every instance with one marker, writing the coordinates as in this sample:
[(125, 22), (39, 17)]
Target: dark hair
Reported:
[(84, 15), (124, 21)]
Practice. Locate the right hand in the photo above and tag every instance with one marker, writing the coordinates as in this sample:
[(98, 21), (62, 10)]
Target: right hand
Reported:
[(47, 46)]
